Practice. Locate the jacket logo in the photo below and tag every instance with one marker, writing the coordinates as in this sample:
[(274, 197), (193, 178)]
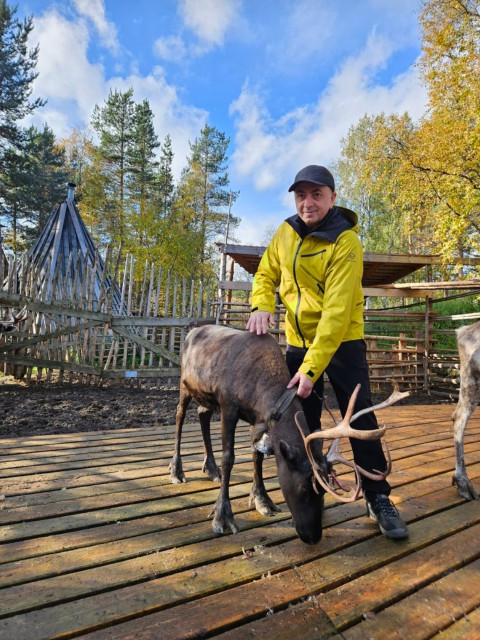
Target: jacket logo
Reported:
[(351, 257)]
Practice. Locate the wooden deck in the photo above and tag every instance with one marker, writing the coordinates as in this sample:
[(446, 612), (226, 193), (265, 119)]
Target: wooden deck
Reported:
[(97, 543)]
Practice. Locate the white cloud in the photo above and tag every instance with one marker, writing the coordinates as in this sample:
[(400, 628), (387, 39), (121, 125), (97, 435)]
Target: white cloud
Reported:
[(95, 11), (270, 152), (310, 31), (209, 20), (171, 48), (71, 84)]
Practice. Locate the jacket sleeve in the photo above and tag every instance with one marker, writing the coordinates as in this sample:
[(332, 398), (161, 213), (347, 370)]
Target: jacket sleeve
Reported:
[(342, 295), (267, 278)]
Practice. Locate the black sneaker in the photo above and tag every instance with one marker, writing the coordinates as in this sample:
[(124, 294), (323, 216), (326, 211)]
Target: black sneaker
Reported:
[(381, 509)]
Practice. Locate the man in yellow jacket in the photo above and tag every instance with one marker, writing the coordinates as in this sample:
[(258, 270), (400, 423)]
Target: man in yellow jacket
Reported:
[(316, 260)]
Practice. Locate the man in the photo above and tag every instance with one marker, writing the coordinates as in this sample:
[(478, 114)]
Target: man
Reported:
[(317, 260)]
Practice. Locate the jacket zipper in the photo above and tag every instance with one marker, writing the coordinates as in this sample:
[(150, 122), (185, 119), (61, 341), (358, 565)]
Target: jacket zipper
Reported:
[(299, 294)]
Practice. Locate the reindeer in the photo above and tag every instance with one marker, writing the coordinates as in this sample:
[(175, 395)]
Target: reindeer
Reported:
[(245, 375), (468, 342)]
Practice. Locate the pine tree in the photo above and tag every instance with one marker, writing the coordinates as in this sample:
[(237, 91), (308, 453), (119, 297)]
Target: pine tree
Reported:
[(114, 123), (141, 180), (16, 203), (36, 182), (166, 186), (204, 191), (17, 73), (49, 176)]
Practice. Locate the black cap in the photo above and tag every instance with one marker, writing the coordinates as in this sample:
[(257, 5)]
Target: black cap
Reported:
[(316, 174)]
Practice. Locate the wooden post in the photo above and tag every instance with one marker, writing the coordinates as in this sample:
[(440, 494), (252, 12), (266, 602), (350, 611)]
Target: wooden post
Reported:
[(428, 337)]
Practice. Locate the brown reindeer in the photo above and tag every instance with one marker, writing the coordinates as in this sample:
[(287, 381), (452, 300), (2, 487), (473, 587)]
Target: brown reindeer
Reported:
[(246, 376)]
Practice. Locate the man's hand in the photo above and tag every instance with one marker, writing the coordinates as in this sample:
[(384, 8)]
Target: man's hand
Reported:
[(259, 321), (305, 385)]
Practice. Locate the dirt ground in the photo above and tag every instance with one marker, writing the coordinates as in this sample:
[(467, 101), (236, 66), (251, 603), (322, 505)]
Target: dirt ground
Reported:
[(47, 408)]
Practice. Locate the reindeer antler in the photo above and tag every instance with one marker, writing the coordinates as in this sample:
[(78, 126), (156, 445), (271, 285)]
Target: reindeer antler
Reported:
[(343, 429), (323, 480)]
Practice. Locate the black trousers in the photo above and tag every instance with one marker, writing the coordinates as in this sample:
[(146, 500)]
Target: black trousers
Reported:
[(347, 368)]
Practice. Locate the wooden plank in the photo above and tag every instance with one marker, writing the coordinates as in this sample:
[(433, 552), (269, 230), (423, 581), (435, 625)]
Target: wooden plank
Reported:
[(362, 597), (121, 552), (162, 592), (426, 612), (151, 372), (376, 591), (466, 628), (50, 335), (46, 363)]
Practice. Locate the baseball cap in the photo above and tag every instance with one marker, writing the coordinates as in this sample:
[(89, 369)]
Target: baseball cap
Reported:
[(316, 174)]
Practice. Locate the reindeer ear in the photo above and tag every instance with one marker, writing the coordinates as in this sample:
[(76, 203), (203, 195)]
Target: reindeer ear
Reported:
[(289, 453)]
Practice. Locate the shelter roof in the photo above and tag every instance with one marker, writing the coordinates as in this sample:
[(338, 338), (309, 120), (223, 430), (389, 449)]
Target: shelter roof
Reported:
[(378, 268), (65, 248)]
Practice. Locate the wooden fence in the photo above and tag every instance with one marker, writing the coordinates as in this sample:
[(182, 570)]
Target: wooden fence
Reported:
[(96, 330), (113, 328), (397, 344)]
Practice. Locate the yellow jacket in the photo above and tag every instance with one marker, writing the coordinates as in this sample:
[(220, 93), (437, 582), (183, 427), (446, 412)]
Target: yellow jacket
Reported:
[(320, 278)]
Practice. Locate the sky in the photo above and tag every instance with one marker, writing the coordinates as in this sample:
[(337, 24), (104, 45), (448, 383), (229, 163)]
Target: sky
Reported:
[(284, 80)]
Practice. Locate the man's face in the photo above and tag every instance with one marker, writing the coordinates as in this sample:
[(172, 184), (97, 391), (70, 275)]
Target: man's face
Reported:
[(313, 202)]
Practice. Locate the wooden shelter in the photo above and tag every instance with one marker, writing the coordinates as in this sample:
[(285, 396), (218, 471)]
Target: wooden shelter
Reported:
[(64, 261), (401, 341), (381, 271)]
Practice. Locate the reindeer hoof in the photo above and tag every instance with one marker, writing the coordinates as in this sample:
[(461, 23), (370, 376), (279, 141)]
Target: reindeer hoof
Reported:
[(465, 488), (178, 480), (212, 471), (266, 509), (219, 527), (263, 504)]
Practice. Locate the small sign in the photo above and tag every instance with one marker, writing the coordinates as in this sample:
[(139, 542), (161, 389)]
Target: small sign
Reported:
[(131, 374)]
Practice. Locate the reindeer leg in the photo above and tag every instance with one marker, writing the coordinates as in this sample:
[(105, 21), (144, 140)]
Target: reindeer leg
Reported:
[(462, 413), (258, 494), (176, 470), (223, 515), (209, 465)]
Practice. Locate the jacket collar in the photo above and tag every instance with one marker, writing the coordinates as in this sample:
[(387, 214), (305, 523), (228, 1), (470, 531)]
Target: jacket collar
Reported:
[(337, 220)]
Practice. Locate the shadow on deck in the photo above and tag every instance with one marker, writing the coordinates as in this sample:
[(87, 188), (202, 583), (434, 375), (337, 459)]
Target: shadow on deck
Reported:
[(97, 543)]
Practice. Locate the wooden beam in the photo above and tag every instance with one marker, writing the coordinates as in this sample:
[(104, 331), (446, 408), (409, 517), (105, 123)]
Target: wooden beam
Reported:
[(14, 346), (163, 372), (449, 284), (161, 351), (235, 285), (392, 292), (158, 322), (42, 363)]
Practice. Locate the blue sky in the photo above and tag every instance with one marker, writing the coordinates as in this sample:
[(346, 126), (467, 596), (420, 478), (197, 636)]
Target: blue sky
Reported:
[(283, 79)]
